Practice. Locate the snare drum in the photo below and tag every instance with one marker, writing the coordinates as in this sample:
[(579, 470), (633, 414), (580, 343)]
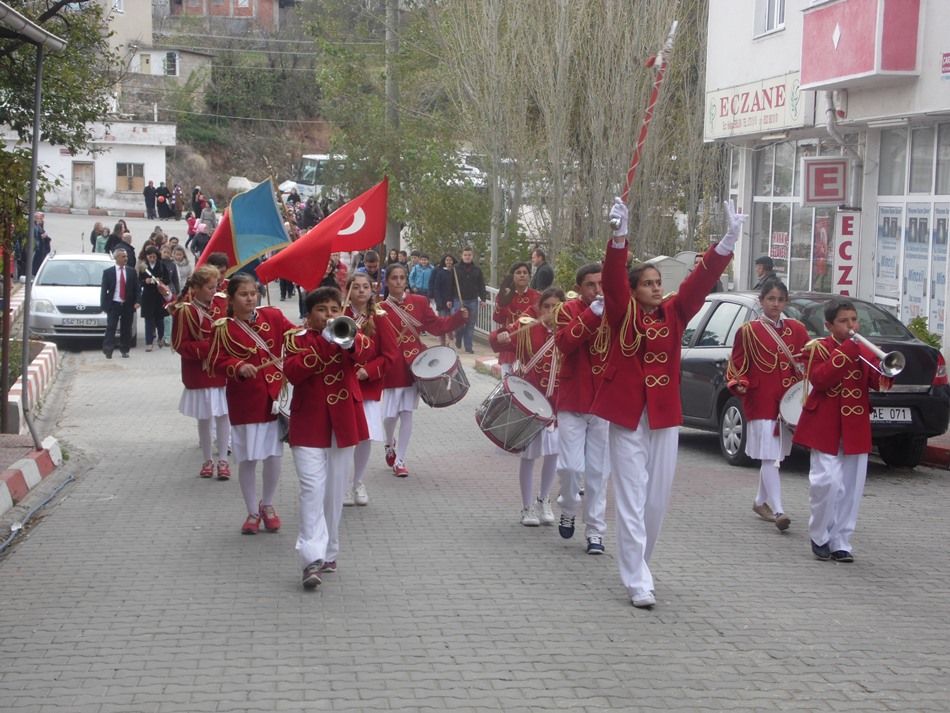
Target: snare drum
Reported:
[(790, 407), (439, 377), (513, 414)]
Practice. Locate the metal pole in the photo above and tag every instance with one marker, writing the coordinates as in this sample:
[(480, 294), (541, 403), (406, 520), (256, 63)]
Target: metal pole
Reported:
[(34, 173)]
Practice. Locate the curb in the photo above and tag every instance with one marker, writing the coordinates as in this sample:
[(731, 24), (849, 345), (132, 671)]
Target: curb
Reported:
[(936, 457), (101, 212), (489, 366), (40, 375), (24, 475)]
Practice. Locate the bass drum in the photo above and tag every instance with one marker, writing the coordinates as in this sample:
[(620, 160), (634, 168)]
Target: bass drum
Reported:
[(790, 407), (513, 414), (439, 377)]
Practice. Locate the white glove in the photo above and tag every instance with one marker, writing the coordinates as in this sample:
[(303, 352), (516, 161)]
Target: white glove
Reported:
[(597, 306), (727, 245), (327, 334), (619, 216)]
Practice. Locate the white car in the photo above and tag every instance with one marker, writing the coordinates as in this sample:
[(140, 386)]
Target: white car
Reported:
[(64, 302)]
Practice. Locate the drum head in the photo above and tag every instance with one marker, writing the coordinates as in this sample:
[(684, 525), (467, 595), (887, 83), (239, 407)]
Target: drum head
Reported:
[(434, 362), (528, 398)]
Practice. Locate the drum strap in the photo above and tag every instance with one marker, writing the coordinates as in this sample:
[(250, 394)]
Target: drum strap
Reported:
[(782, 345), (538, 356), (261, 344), (410, 322)]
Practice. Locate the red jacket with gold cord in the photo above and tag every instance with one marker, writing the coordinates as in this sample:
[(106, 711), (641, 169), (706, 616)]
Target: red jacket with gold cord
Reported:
[(407, 320), (582, 365), (643, 354), (249, 400), (837, 412), (377, 357), (191, 338), (507, 315), (219, 303), (762, 366), (526, 346), (327, 400)]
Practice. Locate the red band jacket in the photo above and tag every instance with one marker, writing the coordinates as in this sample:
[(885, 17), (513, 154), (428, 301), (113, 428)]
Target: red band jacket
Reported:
[(837, 412), (249, 400), (407, 338), (191, 338), (582, 367), (377, 357), (327, 400), (507, 315), (763, 368), (524, 346), (643, 362)]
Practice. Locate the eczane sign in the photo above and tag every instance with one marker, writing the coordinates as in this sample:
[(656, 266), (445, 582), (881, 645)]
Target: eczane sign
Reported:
[(824, 181), (760, 107)]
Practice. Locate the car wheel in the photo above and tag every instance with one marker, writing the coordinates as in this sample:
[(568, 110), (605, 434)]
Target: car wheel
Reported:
[(732, 433), (902, 451)]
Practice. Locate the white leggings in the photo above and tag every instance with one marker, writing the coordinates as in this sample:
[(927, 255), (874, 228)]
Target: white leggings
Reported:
[(247, 477), (360, 460), (526, 475), (405, 433), (223, 428)]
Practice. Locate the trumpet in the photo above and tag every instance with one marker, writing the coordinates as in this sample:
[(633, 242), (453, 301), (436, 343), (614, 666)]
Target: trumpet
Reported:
[(344, 330), (890, 364)]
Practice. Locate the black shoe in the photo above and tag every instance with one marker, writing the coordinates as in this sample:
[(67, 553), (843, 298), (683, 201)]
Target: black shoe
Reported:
[(821, 552), (108, 353), (842, 556), (311, 574), (595, 545), (566, 527), (125, 355)]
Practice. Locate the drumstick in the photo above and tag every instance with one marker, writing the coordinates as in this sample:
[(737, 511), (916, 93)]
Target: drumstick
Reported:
[(458, 288), (346, 302)]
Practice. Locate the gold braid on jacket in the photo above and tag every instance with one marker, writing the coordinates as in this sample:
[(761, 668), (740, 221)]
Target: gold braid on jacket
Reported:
[(812, 347), (223, 341)]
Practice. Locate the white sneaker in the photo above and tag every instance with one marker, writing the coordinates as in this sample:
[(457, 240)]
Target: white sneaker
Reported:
[(547, 514), (529, 518), (348, 497), (643, 600), (360, 495)]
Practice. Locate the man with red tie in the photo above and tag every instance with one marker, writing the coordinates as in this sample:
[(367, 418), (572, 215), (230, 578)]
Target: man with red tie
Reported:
[(119, 298)]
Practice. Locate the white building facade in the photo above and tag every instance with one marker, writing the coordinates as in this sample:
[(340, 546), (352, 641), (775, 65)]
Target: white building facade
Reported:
[(854, 95)]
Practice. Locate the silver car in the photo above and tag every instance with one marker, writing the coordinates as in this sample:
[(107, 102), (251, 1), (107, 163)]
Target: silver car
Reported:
[(64, 302)]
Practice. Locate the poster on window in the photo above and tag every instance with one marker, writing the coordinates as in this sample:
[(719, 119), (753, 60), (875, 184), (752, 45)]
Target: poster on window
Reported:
[(938, 268), (916, 263), (887, 263)]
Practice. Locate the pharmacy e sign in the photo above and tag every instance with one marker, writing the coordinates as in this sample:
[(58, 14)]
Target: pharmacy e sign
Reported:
[(824, 181)]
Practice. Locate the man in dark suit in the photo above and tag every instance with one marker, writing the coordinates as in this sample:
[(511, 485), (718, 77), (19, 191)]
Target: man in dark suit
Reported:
[(119, 298), (543, 276)]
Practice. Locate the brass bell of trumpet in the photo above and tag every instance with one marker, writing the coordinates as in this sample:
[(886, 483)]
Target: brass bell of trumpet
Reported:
[(344, 330), (890, 363), (571, 295)]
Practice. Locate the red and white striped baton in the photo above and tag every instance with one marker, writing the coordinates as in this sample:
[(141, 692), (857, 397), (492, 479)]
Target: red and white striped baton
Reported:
[(658, 62)]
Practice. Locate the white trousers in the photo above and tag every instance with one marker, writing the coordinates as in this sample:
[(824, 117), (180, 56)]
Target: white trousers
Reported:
[(582, 440), (644, 463), (835, 487), (324, 473)]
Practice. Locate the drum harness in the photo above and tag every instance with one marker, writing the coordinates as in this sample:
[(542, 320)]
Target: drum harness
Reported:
[(799, 369), (261, 344), (538, 356), (409, 322)]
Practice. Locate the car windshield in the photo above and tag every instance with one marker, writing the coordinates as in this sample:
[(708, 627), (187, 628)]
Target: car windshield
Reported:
[(873, 322), (85, 273)]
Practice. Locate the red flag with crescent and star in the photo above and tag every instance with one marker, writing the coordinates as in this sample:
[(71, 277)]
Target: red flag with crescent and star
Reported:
[(357, 225)]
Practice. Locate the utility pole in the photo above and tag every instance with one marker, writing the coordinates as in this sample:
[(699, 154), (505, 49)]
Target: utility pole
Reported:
[(392, 107)]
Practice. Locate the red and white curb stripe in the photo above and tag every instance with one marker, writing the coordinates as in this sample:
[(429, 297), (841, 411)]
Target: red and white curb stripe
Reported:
[(17, 480), (39, 377), (488, 365)]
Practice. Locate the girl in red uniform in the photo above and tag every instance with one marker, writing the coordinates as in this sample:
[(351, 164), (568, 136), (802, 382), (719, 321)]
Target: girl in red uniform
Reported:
[(377, 358), (407, 316), (246, 348), (765, 362), (514, 299), (538, 363), (203, 397), (326, 422)]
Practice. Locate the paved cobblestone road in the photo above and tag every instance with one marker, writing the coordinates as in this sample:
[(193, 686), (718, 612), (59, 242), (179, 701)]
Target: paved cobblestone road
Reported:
[(135, 591)]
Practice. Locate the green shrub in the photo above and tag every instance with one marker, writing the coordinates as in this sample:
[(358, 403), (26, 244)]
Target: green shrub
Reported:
[(918, 325)]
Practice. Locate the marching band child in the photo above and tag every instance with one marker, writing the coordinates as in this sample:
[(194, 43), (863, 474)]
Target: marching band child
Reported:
[(377, 358), (203, 397), (764, 364), (640, 392), (514, 299), (326, 422), (539, 364), (407, 316), (246, 348), (836, 425)]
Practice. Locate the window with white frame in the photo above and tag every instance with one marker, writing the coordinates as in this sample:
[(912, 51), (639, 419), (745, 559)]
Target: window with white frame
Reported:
[(129, 177), (171, 64), (769, 16)]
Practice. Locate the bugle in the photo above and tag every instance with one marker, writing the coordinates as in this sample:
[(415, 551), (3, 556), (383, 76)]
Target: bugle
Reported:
[(344, 330), (890, 364)]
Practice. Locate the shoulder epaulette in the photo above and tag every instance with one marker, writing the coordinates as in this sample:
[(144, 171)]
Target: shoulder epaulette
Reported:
[(218, 323)]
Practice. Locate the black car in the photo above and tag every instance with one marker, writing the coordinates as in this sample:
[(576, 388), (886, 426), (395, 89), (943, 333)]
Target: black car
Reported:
[(916, 408)]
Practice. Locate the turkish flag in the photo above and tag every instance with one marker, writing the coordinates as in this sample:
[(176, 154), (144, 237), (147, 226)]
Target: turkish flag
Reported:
[(357, 225)]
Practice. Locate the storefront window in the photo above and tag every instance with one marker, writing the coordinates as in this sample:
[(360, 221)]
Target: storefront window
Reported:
[(761, 221), (763, 171), (781, 215), (890, 180), (734, 171), (943, 160), (801, 151), (823, 249), (799, 270), (921, 160), (784, 168)]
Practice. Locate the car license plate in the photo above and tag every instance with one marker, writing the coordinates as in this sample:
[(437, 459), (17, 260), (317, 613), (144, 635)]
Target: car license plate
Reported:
[(891, 414), (80, 322)]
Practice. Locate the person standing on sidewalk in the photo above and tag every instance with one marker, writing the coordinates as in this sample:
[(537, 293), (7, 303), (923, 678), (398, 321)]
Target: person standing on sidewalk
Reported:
[(442, 289), (326, 422), (543, 276), (765, 363), (246, 347), (640, 392), (203, 397), (471, 286), (119, 298), (149, 194)]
